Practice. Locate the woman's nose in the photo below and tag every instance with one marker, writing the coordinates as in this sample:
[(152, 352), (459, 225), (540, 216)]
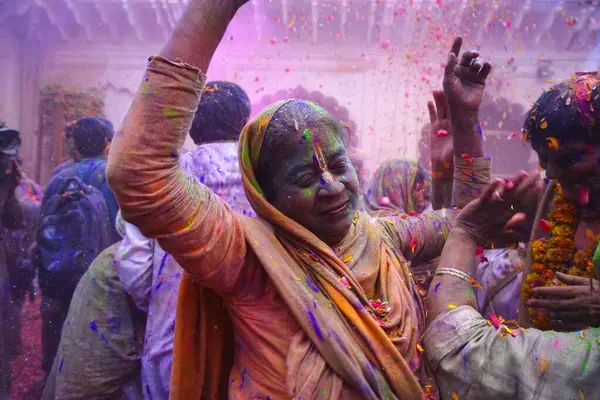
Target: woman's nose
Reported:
[(329, 185)]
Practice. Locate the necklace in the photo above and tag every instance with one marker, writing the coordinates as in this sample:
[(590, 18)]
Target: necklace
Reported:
[(557, 253)]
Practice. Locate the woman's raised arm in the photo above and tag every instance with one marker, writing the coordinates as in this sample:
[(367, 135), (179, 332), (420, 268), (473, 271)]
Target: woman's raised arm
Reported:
[(154, 193)]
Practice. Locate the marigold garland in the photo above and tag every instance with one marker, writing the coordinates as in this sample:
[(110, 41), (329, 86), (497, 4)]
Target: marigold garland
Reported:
[(554, 254)]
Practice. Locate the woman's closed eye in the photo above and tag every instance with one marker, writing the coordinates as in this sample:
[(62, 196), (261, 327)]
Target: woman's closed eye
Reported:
[(305, 180), (339, 166)]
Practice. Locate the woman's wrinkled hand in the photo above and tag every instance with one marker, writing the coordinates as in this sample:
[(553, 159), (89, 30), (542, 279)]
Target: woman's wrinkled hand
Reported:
[(464, 81), (501, 207), (441, 145), (572, 307)]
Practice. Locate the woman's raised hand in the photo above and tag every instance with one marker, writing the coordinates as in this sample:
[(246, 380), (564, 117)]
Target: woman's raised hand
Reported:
[(499, 208), (464, 81)]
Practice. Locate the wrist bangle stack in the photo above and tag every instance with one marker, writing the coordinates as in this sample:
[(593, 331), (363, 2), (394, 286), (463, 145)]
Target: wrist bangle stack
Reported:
[(455, 273)]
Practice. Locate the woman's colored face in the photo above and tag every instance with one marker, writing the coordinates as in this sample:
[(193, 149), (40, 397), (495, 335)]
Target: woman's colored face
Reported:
[(317, 185), (577, 169)]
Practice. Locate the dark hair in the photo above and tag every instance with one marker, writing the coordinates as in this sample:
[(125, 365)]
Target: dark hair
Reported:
[(568, 111), (291, 118), (91, 135), (223, 112)]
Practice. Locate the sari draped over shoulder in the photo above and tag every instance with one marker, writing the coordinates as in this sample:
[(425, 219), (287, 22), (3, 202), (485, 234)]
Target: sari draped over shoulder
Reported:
[(340, 342)]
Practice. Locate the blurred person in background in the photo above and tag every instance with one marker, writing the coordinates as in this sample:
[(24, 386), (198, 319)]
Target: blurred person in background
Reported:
[(77, 222), (152, 276), (101, 343), (71, 150), (11, 217), (18, 244)]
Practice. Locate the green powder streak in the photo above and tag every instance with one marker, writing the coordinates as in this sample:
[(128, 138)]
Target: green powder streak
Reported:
[(170, 113), (306, 135), (588, 346)]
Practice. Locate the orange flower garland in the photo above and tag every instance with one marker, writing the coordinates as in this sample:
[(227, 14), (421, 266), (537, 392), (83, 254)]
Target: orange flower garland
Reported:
[(557, 254)]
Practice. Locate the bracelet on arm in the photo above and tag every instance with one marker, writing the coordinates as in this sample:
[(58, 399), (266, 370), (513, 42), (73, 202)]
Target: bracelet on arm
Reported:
[(455, 273)]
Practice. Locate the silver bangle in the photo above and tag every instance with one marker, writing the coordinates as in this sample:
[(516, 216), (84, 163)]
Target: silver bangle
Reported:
[(455, 273)]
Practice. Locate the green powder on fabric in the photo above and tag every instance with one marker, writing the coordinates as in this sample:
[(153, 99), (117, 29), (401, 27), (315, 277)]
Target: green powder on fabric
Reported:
[(170, 113)]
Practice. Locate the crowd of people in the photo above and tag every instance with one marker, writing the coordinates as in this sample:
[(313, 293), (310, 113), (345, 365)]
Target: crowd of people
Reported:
[(256, 266)]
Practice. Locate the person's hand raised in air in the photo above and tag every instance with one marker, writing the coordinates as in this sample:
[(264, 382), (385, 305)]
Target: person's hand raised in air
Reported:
[(440, 137), (500, 208), (464, 81)]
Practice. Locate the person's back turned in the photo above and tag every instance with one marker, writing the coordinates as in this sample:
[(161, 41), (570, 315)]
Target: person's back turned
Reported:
[(77, 223)]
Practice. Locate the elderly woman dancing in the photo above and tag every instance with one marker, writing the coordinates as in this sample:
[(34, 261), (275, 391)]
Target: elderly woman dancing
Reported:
[(319, 297)]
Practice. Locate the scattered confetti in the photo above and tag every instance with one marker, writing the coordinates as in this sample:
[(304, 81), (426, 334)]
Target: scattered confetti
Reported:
[(512, 136), (467, 157), (413, 244), (495, 321), (345, 282), (454, 396), (570, 21), (442, 133), (437, 286), (384, 201), (584, 196), (451, 306), (347, 258), (552, 142), (543, 364), (545, 226), (420, 348)]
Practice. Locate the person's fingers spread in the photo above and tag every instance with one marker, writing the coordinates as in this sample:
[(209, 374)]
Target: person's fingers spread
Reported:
[(467, 58), (525, 187), (581, 314), (466, 73), (554, 304), (558, 291), (444, 104), (432, 113), (515, 220), (456, 45), (573, 280), (438, 96), (449, 70), (477, 64), (491, 190), (485, 70)]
